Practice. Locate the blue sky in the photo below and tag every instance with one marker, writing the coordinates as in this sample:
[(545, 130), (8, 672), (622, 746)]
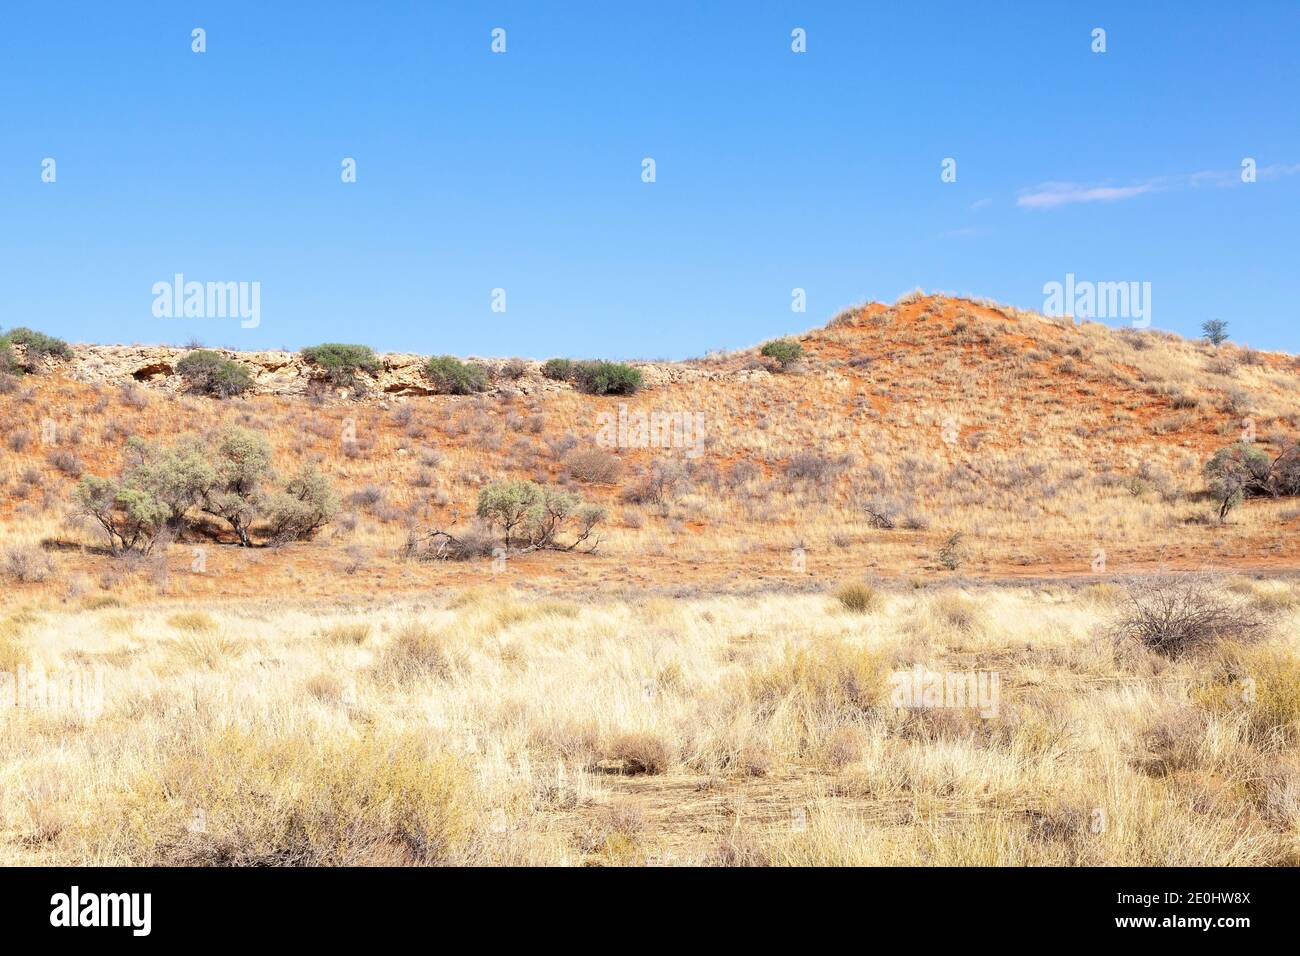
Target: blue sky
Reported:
[(522, 170)]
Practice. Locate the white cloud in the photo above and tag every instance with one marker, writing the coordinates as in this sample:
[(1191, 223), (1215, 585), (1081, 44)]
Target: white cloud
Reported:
[(1278, 169), (1050, 195), (1061, 194)]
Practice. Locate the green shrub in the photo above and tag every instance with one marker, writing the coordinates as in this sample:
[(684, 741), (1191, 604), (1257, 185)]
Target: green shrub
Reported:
[(451, 376), (606, 378), (558, 369), (1286, 469), (784, 351), (38, 344), (211, 374), (341, 362), (307, 504)]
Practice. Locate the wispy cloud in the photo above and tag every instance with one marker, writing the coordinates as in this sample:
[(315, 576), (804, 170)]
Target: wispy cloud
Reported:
[(1277, 170), (1061, 194), (1052, 194)]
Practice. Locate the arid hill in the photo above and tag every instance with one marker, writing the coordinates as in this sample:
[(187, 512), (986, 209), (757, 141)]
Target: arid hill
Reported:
[(937, 436)]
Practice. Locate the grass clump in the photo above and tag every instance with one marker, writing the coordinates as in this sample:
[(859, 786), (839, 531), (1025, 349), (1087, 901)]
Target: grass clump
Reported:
[(196, 622), (617, 838), (1102, 594), (12, 652), (206, 650), (858, 598), (348, 632), (957, 611), (1261, 682), (234, 798), (416, 651), (833, 683)]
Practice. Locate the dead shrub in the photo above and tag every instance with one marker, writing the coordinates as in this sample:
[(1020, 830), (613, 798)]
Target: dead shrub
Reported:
[(476, 541), (641, 752), (27, 564), (1173, 741), (842, 747), (1179, 615), (593, 465), (366, 497), (68, 463), (816, 469)]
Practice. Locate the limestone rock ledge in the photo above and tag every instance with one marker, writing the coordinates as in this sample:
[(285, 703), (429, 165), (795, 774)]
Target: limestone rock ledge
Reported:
[(287, 373)]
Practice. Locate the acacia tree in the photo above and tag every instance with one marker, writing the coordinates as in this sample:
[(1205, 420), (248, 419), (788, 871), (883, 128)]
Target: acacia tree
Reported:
[(539, 513), (1215, 331), (1286, 469), (130, 517), (226, 479), (1235, 472), (236, 496), (509, 504), (555, 509), (177, 475)]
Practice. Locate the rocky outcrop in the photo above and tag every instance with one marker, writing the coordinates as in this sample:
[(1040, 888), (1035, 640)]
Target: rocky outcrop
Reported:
[(287, 373)]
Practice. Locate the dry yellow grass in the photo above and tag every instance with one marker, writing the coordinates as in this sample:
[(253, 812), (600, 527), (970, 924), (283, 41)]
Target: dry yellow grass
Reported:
[(504, 728)]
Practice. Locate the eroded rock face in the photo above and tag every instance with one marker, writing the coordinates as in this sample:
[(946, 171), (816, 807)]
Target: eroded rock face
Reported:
[(286, 373)]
